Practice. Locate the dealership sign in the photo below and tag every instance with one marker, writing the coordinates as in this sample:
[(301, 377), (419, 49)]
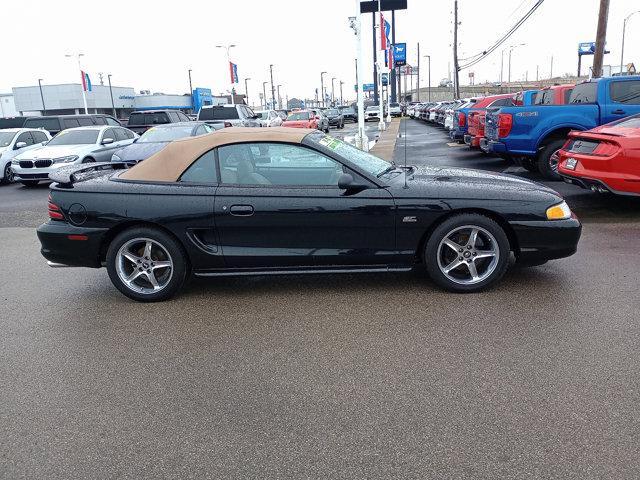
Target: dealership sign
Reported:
[(400, 54)]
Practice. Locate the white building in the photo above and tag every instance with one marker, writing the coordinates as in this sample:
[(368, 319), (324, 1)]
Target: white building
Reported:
[(7, 105)]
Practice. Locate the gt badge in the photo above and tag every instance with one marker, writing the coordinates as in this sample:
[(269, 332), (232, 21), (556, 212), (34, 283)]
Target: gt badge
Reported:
[(409, 220)]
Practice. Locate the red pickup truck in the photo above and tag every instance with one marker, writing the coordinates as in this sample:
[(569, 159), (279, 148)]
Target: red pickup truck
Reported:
[(476, 116), (554, 95)]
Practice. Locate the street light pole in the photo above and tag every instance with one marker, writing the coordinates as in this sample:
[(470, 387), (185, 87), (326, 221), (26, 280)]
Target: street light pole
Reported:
[(113, 107), (428, 57), (624, 31), (322, 87), (333, 97), (227, 48), (44, 110), (279, 98), (511, 49), (273, 90), (190, 93), (361, 140), (264, 94), (341, 83), (246, 90), (84, 95)]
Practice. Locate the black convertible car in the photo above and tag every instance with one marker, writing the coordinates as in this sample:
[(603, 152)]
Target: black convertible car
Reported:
[(277, 200)]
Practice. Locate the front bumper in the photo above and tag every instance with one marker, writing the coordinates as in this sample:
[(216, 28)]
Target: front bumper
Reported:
[(35, 173), (539, 241), (58, 248)]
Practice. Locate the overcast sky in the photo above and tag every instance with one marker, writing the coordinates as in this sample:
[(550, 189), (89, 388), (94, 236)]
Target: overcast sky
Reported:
[(152, 44)]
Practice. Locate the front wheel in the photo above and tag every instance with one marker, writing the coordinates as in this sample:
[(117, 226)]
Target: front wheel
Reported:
[(146, 264), (7, 174), (467, 253), (548, 159)]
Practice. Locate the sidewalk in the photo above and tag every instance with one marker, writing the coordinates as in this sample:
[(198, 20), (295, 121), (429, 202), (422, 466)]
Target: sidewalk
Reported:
[(386, 143)]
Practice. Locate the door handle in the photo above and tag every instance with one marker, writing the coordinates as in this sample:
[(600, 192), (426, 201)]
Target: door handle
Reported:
[(241, 210), (618, 112)]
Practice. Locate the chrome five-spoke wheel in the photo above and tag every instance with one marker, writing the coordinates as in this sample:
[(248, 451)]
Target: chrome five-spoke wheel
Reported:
[(468, 255), (144, 265)]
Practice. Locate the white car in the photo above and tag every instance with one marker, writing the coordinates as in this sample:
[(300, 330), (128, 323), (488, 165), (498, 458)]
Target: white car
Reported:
[(395, 110), (71, 146), (13, 142), (372, 113), (269, 118)]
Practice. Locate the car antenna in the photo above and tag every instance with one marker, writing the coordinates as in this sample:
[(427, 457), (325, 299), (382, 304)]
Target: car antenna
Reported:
[(405, 153)]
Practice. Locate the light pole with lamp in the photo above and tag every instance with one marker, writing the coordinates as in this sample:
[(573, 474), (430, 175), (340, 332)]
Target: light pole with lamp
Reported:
[(227, 48), (44, 109), (84, 95), (333, 89), (511, 49), (273, 90), (322, 97), (191, 92), (113, 106), (341, 100), (624, 31), (279, 97), (264, 94), (428, 57)]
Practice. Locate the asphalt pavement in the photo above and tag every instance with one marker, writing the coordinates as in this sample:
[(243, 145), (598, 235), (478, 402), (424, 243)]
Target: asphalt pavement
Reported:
[(352, 376)]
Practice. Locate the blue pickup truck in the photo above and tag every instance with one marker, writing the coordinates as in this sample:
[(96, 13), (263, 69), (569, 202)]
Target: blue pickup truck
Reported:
[(534, 134)]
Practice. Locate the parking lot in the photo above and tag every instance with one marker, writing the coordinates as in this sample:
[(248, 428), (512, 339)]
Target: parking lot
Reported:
[(353, 376)]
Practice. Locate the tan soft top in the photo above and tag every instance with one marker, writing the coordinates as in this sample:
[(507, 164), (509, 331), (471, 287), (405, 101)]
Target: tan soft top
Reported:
[(169, 163)]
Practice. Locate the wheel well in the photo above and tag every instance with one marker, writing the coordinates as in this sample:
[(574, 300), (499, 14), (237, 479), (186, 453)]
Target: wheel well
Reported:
[(559, 134), (121, 227), (511, 236)]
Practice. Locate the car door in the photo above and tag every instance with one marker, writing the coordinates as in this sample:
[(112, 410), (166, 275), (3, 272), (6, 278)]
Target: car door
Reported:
[(103, 152), (623, 99), (278, 206)]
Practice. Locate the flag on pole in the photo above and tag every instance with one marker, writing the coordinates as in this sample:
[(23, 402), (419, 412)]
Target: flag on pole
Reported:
[(86, 81), (233, 71), (383, 33)]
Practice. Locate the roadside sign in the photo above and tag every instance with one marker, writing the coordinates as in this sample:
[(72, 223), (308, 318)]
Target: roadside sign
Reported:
[(385, 79), (367, 87), (589, 48), (400, 54)]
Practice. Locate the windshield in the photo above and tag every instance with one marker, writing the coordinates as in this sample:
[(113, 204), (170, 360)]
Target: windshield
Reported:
[(373, 107), (395, 104), (331, 111), (263, 115), (584, 93), (298, 116), (6, 137), (75, 137), (365, 161), (160, 134)]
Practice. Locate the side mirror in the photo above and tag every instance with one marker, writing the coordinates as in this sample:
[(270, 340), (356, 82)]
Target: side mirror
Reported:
[(348, 183), (107, 141), (19, 145)]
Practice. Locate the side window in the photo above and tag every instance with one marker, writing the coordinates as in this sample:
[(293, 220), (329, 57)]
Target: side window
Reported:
[(99, 121), (120, 134), (109, 133), (203, 170), (70, 122), (625, 92), (183, 117), (567, 95), (112, 121), (174, 117), (201, 130), (85, 122), (39, 137), (128, 133), (136, 119), (278, 164), (26, 138)]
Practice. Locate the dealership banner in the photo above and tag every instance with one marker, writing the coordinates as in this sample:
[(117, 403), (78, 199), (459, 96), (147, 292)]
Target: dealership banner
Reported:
[(400, 54), (86, 81), (233, 70)]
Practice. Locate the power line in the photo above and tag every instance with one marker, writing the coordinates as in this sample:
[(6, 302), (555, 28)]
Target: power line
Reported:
[(480, 56)]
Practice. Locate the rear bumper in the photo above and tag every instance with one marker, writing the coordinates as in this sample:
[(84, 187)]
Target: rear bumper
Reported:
[(494, 146), (484, 145), (600, 185), (472, 140), (58, 248), (539, 241)]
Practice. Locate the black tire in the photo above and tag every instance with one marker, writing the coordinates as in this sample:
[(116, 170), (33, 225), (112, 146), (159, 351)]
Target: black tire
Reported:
[(545, 159), (176, 255), (7, 176), (30, 183), (529, 164), (326, 130), (88, 160), (495, 267)]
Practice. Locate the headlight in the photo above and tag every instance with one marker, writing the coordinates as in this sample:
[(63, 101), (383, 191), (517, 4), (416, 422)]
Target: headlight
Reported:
[(560, 211), (115, 158), (15, 162), (67, 159)]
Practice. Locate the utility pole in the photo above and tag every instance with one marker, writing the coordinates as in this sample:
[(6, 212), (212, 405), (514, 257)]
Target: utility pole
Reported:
[(537, 67), (502, 64), (551, 69), (624, 31), (190, 91), (601, 37), (417, 79), (341, 101), (113, 107), (44, 109), (456, 78), (279, 98), (246, 90), (428, 57), (264, 94), (333, 89), (322, 74), (273, 90)]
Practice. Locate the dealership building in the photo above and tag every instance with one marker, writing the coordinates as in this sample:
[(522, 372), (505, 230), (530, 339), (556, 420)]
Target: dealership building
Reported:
[(66, 99)]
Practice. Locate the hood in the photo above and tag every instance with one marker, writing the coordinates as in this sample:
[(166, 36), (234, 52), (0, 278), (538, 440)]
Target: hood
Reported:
[(55, 151), (453, 182), (139, 151)]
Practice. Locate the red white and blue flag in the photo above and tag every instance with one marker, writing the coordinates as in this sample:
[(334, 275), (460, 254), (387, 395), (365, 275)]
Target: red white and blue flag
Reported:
[(385, 29), (233, 71), (86, 81)]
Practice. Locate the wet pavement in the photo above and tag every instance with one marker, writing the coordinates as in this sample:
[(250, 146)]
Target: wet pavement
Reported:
[(353, 376)]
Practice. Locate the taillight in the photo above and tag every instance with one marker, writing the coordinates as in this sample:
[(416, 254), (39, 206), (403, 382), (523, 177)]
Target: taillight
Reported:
[(462, 119), (227, 124), (505, 122), (605, 149), (54, 210)]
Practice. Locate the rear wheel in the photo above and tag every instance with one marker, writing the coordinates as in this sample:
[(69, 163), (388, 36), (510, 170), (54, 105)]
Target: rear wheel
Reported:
[(467, 253), (529, 164), (548, 159), (7, 174), (146, 264)]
